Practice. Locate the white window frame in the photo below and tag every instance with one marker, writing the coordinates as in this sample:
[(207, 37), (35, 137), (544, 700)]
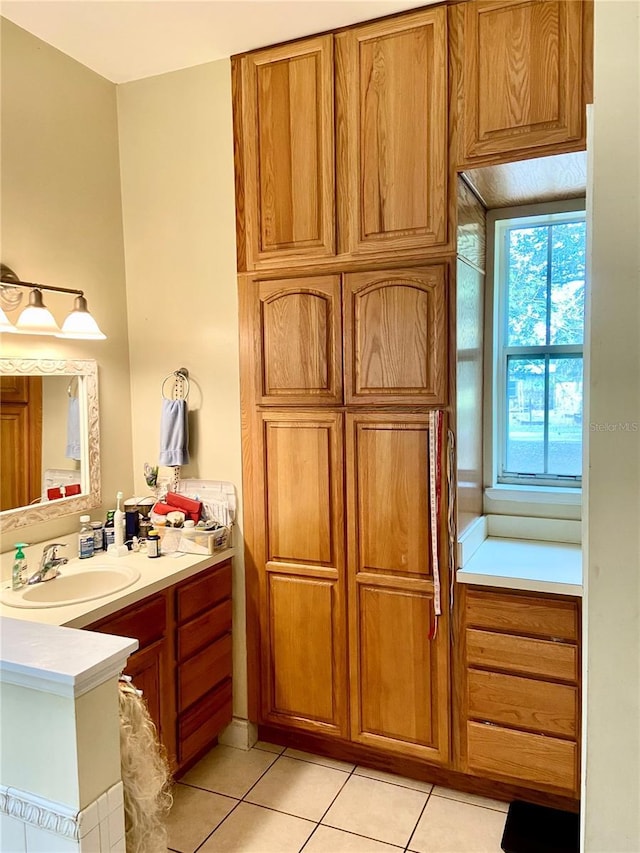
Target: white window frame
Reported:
[(520, 489)]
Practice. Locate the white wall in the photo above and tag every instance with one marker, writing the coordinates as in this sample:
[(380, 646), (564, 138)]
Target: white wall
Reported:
[(176, 149), (611, 796)]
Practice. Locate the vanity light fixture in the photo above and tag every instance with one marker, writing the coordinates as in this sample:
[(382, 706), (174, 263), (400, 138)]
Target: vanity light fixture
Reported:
[(36, 319)]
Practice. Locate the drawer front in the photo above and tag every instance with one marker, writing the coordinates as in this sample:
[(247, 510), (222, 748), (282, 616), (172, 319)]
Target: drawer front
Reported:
[(523, 702), (203, 671), (200, 725), (146, 622), (201, 593), (536, 759), (522, 614), (522, 654), (204, 629)]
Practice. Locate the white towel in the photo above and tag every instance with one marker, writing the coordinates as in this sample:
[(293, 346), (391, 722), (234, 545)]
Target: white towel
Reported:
[(174, 433), (73, 430)]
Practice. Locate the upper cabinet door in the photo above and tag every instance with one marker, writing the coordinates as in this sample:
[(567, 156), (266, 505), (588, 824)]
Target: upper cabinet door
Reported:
[(286, 153), (395, 327), (300, 341), (391, 130), (519, 70)]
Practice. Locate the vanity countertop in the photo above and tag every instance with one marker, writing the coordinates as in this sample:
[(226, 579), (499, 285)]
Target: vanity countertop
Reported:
[(525, 564), (155, 575)]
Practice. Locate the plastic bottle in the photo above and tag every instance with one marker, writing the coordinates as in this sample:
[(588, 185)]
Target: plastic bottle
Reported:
[(98, 536), (109, 529), (85, 541), (153, 544), (119, 521), (20, 572)]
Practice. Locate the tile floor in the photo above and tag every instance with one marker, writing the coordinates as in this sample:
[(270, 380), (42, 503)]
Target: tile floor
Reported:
[(276, 800)]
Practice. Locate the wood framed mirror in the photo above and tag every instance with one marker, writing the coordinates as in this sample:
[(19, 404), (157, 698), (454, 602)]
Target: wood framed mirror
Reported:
[(50, 439)]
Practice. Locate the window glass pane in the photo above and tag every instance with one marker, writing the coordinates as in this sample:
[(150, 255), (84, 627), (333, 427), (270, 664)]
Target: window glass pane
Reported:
[(565, 416), (527, 286), (567, 283), (525, 420)]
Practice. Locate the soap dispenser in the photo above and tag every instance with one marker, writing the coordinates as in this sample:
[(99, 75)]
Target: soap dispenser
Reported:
[(19, 574)]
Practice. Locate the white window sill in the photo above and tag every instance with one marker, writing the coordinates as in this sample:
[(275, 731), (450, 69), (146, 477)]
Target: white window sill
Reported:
[(534, 495)]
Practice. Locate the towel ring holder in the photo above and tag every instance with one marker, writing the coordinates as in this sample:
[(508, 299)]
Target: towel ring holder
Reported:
[(180, 388)]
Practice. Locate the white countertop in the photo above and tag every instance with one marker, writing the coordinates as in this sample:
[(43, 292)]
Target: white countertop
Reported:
[(526, 564), (155, 575)]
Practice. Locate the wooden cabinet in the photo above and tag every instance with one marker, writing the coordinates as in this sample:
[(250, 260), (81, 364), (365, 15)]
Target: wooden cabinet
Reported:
[(183, 663), (285, 153), (395, 325), (519, 73), (399, 670), (521, 720), (391, 88)]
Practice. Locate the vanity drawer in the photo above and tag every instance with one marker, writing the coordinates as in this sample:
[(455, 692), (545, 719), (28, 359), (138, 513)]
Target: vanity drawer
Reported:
[(523, 702), (146, 622), (203, 592), (204, 629), (199, 726), (522, 614), (522, 654), (203, 671), (507, 754)]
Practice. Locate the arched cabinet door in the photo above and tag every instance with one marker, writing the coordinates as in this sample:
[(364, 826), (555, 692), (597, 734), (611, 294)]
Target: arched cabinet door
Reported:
[(396, 336), (299, 341)]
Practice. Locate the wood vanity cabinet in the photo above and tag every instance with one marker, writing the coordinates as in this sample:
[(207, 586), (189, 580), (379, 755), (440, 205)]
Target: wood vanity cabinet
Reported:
[(521, 72), (521, 703), (183, 664)]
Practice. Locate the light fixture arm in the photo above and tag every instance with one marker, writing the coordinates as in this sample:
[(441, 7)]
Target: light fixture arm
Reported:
[(7, 276)]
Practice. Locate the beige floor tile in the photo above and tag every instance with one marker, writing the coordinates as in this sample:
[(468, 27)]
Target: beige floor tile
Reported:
[(230, 771), (326, 839), (472, 799), (319, 759), (298, 788), (251, 829), (448, 826), (376, 809), (194, 815), (383, 776), (269, 747)]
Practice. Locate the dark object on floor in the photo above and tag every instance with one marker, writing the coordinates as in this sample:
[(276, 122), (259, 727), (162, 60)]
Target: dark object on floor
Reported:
[(539, 829)]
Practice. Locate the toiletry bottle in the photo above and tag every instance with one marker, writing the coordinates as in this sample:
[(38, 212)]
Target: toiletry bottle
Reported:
[(109, 529), (153, 544), (19, 573), (118, 522), (85, 541), (98, 536)]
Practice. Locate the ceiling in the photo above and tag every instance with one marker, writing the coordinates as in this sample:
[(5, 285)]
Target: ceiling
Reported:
[(128, 39)]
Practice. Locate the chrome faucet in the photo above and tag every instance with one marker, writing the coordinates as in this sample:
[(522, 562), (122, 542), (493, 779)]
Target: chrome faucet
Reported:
[(49, 563)]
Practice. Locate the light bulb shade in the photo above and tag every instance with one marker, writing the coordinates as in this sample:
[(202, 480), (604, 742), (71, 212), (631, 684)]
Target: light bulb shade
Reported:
[(5, 323), (36, 319), (80, 325)]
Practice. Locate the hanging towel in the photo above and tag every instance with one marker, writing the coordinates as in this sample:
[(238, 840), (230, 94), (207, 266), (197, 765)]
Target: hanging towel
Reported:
[(174, 434), (73, 430)]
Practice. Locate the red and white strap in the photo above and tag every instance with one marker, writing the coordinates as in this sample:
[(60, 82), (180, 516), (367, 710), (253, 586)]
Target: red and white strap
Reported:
[(435, 453)]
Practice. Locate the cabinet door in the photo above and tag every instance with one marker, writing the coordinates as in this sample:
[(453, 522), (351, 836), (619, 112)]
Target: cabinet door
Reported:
[(399, 675), (302, 586), (300, 341), (147, 668), (391, 84), (395, 327), (521, 71), (20, 439), (287, 150)]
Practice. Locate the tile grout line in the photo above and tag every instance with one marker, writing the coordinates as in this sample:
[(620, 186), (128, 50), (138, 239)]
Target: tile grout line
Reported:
[(324, 814), (413, 831)]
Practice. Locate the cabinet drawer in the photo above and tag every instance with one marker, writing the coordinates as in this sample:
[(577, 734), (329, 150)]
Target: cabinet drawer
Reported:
[(203, 592), (523, 702), (203, 671), (200, 725), (522, 614), (522, 654), (146, 622), (504, 753), (204, 629)]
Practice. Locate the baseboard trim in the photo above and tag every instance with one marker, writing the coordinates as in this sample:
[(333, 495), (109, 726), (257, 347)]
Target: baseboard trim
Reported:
[(240, 733)]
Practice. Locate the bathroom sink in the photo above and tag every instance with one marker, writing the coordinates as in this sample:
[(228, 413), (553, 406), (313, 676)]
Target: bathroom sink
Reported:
[(73, 586)]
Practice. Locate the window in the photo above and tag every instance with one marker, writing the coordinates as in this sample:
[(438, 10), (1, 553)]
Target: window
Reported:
[(540, 288)]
